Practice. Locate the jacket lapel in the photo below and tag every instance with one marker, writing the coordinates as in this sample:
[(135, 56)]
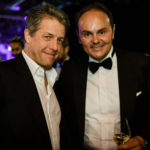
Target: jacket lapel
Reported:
[(34, 103), (80, 79), (126, 79)]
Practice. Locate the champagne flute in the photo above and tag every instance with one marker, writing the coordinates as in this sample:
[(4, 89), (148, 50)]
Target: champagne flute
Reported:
[(122, 131)]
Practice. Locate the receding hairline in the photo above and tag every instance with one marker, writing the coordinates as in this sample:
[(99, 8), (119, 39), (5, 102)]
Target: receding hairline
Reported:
[(93, 10)]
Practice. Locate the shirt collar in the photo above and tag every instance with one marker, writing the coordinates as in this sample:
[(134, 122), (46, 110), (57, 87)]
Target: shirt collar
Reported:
[(38, 70)]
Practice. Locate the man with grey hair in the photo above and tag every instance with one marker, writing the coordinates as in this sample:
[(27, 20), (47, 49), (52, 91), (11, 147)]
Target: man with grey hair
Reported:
[(29, 111)]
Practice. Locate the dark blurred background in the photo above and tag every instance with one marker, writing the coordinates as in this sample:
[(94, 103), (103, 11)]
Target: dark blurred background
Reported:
[(131, 19)]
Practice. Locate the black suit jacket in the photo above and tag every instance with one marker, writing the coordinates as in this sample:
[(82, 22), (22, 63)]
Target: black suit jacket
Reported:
[(22, 120), (133, 77)]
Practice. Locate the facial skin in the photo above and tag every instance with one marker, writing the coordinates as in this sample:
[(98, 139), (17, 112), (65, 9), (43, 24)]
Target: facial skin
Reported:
[(16, 48), (95, 33), (45, 44)]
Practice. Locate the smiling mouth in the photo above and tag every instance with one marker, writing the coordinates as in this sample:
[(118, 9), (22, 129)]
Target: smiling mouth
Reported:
[(97, 47), (53, 53)]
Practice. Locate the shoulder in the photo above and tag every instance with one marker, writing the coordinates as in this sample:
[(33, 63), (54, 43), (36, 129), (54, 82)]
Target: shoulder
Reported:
[(132, 53), (5, 65), (137, 58), (12, 64), (75, 62)]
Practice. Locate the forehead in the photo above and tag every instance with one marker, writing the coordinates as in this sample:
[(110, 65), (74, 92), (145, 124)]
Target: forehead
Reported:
[(15, 44), (52, 25), (93, 17)]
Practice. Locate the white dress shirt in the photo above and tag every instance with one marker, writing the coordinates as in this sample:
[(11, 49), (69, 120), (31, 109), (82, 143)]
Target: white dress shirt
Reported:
[(48, 99), (102, 106)]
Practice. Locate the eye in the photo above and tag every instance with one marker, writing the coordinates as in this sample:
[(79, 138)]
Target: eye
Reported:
[(60, 40), (86, 34), (101, 32), (48, 37), (15, 49)]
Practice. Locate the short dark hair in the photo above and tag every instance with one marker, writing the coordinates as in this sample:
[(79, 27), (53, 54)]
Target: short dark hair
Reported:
[(98, 6), (17, 39), (38, 13)]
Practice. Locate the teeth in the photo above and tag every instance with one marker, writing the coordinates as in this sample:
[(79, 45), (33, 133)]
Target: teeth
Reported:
[(96, 47)]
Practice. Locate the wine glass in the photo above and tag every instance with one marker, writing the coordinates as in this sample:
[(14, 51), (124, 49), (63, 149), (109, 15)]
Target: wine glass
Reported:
[(122, 131)]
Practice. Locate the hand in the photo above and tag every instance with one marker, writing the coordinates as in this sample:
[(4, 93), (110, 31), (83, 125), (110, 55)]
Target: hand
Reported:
[(135, 143)]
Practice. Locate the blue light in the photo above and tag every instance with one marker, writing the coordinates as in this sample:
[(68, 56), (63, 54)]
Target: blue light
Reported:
[(60, 6), (39, 5), (25, 18), (5, 53), (68, 3), (16, 8)]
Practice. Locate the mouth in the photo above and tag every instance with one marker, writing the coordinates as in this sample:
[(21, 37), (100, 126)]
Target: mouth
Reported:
[(51, 53), (97, 47)]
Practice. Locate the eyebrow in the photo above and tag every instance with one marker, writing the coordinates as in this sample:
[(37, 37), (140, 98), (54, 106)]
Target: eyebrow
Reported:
[(51, 34), (87, 31), (103, 29)]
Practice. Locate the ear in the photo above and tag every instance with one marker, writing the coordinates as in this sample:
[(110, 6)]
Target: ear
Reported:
[(66, 49), (27, 35), (78, 36), (114, 27)]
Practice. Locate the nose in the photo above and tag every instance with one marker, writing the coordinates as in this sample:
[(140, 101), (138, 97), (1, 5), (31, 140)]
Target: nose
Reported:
[(53, 44), (95, 39)]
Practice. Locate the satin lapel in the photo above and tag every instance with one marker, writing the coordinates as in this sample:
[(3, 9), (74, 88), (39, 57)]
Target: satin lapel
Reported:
[(126, 78), (79, 81), (31, 95)]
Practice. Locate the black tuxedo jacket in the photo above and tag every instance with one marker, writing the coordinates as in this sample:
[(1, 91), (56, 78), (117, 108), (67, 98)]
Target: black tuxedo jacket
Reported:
[(133, 77), (22, 120)]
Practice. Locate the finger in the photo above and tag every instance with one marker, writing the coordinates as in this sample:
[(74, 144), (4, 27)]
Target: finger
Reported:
[(135, 143)]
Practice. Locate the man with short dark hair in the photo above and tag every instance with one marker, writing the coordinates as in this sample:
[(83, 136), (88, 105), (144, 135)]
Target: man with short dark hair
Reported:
[(105, 85), (17, 45)]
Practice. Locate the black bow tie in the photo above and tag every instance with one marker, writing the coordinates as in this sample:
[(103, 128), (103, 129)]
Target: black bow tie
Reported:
[(107, 63)]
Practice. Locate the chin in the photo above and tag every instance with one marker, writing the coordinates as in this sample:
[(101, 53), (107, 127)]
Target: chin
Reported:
[(47, 66), (96, 57)]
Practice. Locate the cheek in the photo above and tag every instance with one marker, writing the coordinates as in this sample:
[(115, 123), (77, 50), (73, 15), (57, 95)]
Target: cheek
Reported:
[(40, 45), (35, 48), (85, 42), (107, 39)]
